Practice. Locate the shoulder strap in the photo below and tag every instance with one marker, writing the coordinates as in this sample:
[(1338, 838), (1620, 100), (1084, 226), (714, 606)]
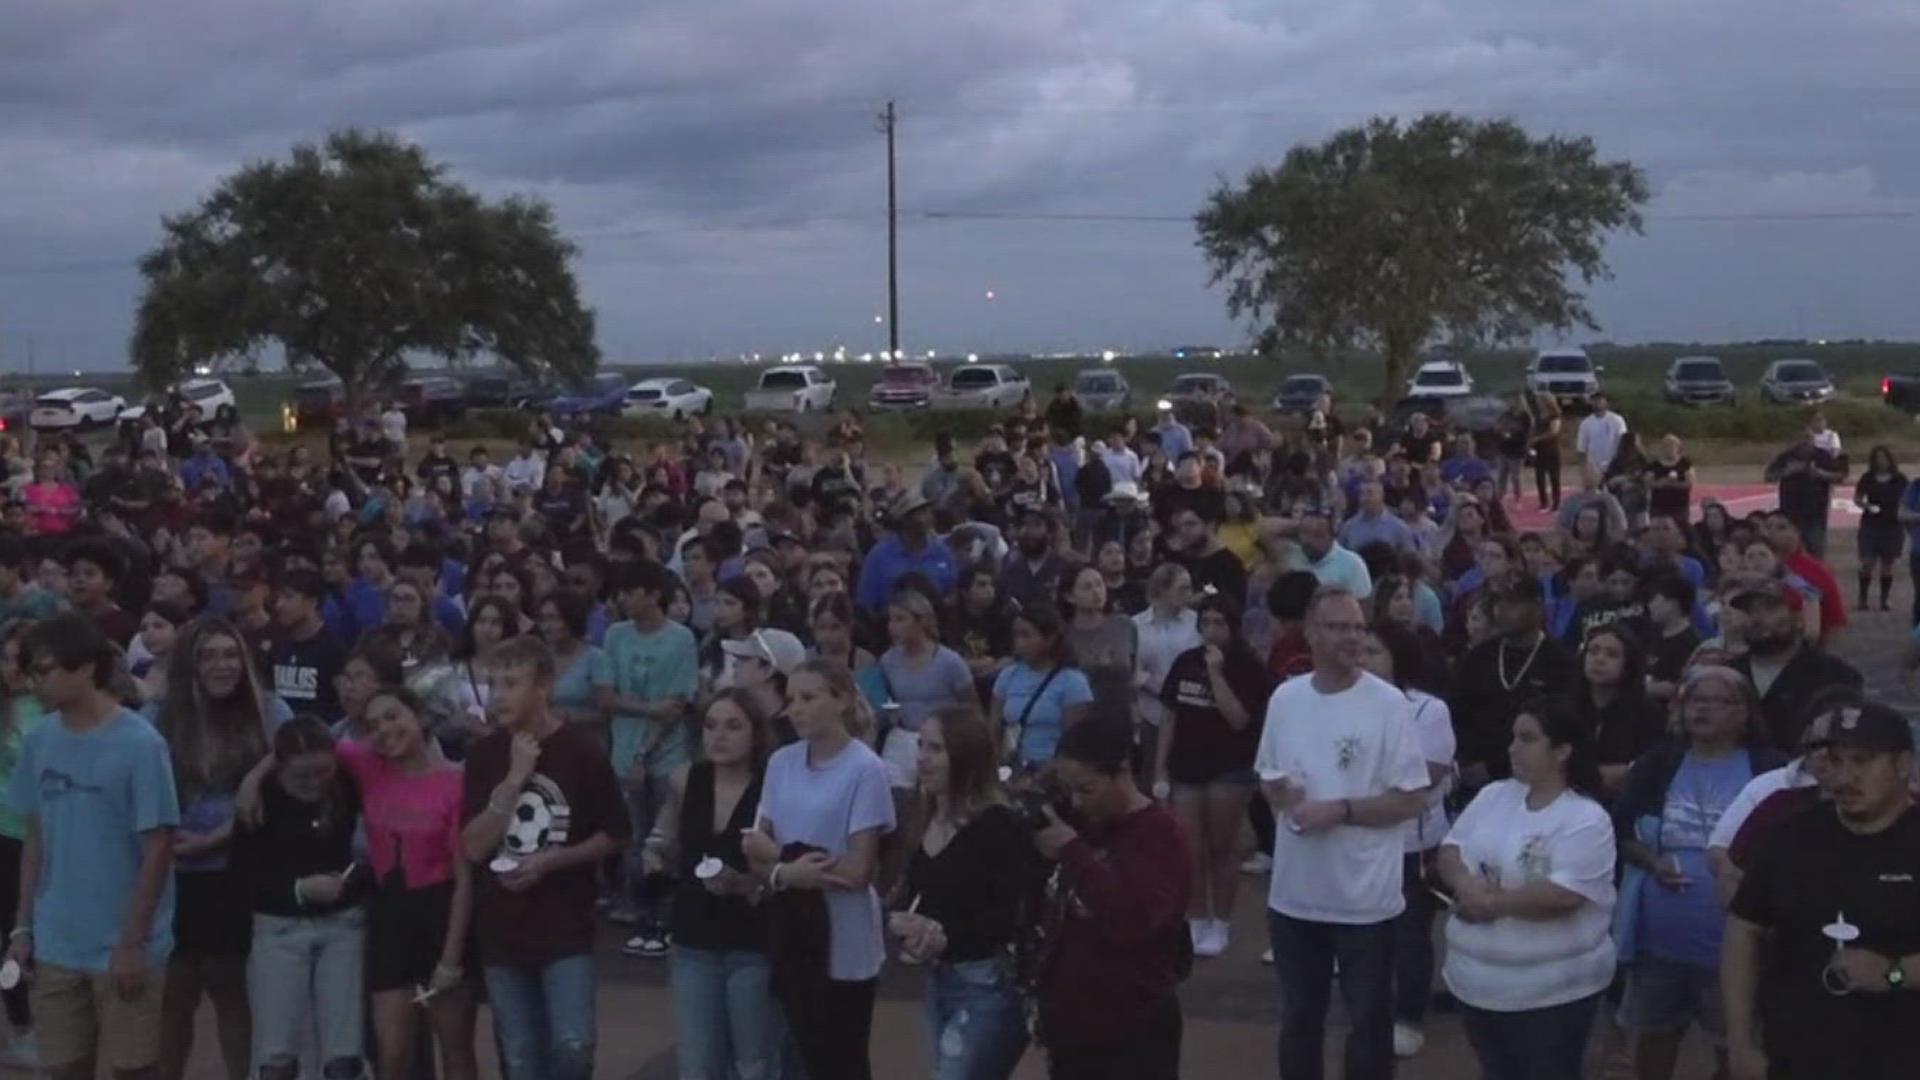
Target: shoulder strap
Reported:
[(1019, 730)]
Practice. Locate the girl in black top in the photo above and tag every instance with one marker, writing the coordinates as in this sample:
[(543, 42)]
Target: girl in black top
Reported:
[(309, 931), (1611, 696), (720, 966), (1878, 494), (965, 884)]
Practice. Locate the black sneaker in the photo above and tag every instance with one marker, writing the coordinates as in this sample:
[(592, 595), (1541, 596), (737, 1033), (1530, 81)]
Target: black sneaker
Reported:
[(648, 944)]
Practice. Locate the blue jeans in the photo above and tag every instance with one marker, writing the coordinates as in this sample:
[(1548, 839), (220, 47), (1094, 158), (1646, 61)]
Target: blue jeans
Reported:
[(543, 1018), (1303, 957), (728, 1023), (304, 978), (1533, 1044), (976, 1021)]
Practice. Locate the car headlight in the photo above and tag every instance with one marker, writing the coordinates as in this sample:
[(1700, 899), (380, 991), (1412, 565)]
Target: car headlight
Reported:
[(1163, 405)]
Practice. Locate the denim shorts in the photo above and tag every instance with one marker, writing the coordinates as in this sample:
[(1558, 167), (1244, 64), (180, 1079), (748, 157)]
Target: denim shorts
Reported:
[(1663, 995)]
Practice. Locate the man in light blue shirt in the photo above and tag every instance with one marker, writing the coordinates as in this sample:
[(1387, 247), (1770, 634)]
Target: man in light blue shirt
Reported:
[(911, 549), (1175, 439), (95, 785), (656, 674), (1315, 550), (1373, 523)]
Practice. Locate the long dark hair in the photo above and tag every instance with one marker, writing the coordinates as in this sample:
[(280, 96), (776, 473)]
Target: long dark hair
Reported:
[(973, 762), (1047, 623), (1633, 670), (213, 743), (1565, 727), (307, 734), (509, 624)]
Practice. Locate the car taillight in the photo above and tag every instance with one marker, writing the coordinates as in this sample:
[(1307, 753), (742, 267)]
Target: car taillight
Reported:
[(1886, 387)]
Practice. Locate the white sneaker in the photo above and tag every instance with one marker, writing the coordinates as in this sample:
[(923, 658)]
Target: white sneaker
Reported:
[(1407, 1040), (22, 1053), (1209, 937), (1258, 863)]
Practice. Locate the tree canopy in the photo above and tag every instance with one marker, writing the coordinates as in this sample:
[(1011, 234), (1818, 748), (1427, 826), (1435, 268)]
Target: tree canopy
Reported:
[(1388, 235), (351, 256)]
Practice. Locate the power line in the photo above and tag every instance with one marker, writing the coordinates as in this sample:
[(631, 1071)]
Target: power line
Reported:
[(1187, 219)]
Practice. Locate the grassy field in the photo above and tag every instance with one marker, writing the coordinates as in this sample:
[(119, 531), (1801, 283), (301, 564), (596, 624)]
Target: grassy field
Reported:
[(1632, 375)]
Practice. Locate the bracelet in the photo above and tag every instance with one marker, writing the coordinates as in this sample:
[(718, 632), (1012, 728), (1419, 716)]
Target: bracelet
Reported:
[(773, 879)]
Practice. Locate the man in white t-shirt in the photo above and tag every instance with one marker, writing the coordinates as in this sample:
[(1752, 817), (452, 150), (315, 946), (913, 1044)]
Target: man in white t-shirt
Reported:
[(1600, 434), (1340, 762)]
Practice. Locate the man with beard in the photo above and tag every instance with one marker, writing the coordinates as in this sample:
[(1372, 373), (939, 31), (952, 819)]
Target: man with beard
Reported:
[(912, 549), (1522, 663), (1823, 937), (1032, 575), (1195, 544), (1784, 670)]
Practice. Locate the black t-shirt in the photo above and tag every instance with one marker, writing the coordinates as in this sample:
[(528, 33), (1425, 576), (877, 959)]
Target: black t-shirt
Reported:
[(1803, 495), (1419, 448), (432, 468), (564, 508), (1671, 653), (1813, 872), (572, 796), (304, 674), (834, 488), (295, 840), (1208, 502), (1222, 570), (1667, 501), (1494, 680), (1205, 747), (1880, 499)]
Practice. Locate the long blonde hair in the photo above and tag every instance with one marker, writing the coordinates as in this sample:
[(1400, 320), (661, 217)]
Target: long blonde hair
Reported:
[(214, 743)]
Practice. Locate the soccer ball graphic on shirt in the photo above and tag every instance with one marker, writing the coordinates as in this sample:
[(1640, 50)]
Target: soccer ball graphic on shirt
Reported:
[(540, 819)]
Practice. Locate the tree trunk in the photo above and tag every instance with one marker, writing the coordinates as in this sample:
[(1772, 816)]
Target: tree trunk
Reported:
[(1399, 354)]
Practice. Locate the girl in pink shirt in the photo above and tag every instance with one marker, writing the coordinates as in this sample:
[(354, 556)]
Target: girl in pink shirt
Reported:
[(422, 903), (52, 504)]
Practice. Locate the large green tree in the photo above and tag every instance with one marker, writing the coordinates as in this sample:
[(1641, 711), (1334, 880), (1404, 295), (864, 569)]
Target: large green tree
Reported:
[(1389, 235), (353, 256)]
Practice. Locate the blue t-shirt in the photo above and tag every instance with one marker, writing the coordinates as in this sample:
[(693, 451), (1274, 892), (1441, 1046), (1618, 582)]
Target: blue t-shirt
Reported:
[(95, 794), (652, 667), (822, 804), (1015, 688), (920, 688), (578, 687), (1685, 925)]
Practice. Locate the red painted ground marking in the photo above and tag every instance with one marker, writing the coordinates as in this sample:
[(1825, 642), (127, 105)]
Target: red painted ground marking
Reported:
[(1739, 499)]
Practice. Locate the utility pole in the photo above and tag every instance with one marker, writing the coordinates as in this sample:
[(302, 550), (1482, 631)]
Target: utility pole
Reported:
[(893, 250)]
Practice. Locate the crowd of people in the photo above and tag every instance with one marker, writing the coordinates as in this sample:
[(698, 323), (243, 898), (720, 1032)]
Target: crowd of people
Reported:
[(353, 742)]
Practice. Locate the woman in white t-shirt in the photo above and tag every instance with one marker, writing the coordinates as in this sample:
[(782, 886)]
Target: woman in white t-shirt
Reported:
[(1395, 654), (824, 808), (1530, 866)]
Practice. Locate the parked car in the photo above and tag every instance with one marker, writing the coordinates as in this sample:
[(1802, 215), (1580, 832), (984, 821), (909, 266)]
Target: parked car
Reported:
[(75, 407), (792, 388), (316, 405), (1475, 413), (430, 399), (1699, 380), (1300, 393), (1792, 381), (1103, 390), (502, 390), (1440, 379), (983, 386), (214, 398), (1902, 392), (904, 386), (16, 412), (603, 395), (675, 399), (1570, 375)]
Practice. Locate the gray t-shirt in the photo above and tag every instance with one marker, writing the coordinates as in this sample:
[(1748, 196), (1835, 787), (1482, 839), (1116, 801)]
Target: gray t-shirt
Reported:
[(1107, 655), (924, 685), (822, 804)]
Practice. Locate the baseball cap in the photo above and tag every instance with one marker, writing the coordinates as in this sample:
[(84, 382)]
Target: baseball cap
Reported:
[(1872, 727), (1758, 590), (776, 648)]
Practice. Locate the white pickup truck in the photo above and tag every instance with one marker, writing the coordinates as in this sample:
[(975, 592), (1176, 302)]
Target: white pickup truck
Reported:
[(982, 386), (793, 388)]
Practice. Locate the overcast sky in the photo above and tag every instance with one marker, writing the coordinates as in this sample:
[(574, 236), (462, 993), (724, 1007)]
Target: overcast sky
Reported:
[(718, 161)]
